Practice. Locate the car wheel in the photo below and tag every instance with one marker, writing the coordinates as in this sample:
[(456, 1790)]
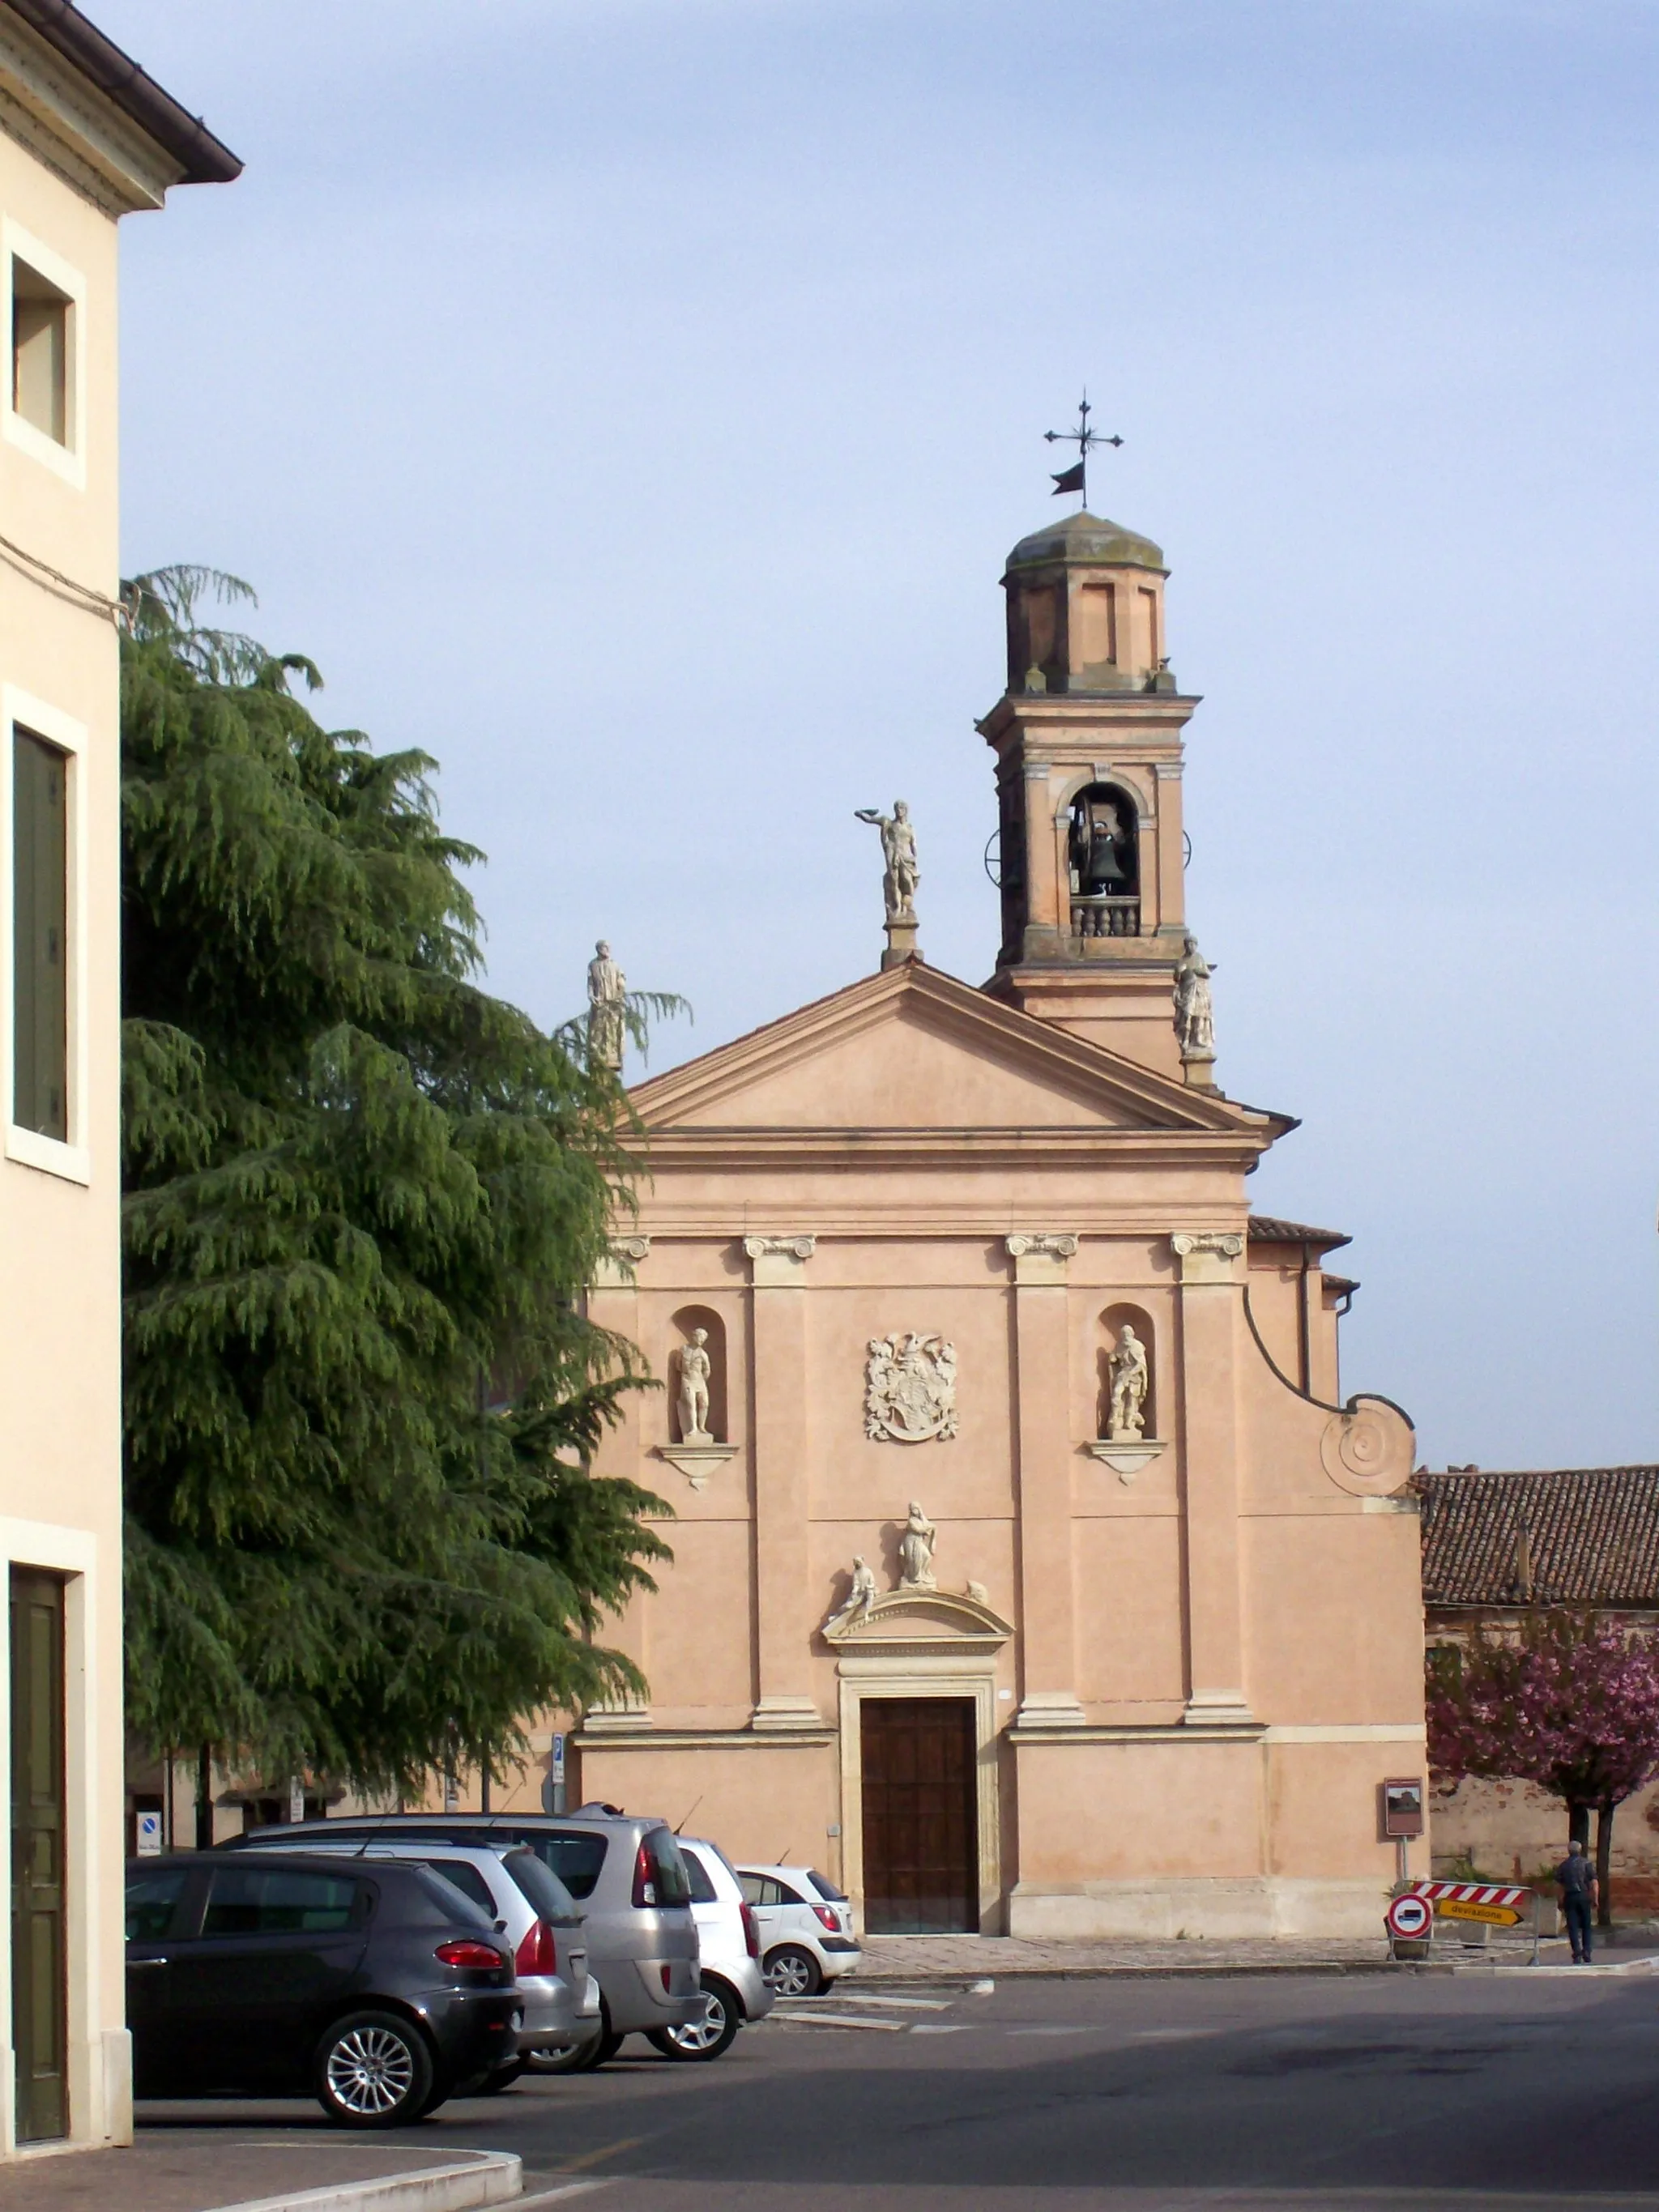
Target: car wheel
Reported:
[(584, 2056), (707, 2038), (374, 2070), (792, 1973)]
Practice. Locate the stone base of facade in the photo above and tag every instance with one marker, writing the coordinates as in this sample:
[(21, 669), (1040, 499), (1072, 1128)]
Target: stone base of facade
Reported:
[(1214, 1907)]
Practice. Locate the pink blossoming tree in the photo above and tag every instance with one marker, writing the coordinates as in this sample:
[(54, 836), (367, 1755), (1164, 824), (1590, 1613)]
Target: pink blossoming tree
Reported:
[(1570, 1700)]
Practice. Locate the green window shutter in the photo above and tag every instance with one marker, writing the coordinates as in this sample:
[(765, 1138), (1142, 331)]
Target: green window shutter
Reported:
[(40, 936)]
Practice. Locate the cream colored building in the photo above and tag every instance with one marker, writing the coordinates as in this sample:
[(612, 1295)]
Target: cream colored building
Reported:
[(1083, 1684), (85, 138)]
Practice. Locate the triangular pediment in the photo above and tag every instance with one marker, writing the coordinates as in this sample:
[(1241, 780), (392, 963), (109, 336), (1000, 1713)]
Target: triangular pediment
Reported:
[(915, 1049)]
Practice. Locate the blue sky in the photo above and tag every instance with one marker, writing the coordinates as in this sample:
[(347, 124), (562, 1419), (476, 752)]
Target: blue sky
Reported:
[(632, 402)]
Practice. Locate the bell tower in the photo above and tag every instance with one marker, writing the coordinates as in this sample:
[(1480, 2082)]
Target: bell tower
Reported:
[(1088, 738)]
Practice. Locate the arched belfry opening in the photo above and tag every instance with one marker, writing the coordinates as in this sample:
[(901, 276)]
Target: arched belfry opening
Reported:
[(1088, 738), (1103, 852)]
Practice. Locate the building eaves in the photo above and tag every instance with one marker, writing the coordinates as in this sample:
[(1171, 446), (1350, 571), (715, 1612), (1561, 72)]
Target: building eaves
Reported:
[(202, 160), (1591, 1537), (1265, 1230)]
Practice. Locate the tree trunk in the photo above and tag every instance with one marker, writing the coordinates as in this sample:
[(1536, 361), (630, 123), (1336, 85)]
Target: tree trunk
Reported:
[(1578, 1825), (205, 1798), (1604, 1864)]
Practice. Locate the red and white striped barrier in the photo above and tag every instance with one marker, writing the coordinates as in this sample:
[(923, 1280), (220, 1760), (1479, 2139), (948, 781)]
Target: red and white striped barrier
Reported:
[(1476, 1892)]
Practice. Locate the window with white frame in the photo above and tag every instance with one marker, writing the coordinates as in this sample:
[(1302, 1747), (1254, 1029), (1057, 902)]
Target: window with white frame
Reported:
[(44, 410), (42, 342)]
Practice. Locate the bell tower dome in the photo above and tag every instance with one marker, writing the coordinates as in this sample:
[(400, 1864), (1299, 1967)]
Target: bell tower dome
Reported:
[(1088, 738)]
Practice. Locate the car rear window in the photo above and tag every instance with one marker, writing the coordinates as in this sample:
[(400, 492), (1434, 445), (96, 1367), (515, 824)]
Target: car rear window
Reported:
[(468, 1880), (431, 1901), (703, 1890), (152, 1900), (668, 1869), (267, 1900), (548, 1897), (825, 1887), (572, 1856)]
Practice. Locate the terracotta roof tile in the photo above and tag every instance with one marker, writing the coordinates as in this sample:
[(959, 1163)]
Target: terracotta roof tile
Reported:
[(1592, 1535), (1265, 1230)]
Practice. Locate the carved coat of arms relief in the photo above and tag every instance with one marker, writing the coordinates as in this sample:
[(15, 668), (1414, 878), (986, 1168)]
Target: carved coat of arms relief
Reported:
[(910, 1388)]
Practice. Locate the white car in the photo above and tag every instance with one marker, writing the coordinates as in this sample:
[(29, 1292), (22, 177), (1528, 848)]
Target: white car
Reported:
[(805, 1928), (729, 1942)]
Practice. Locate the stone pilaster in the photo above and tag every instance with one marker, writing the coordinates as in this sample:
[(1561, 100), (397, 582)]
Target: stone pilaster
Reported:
[(1211, 1299), (778, 1365), (1042, 1397), (613, 1303)]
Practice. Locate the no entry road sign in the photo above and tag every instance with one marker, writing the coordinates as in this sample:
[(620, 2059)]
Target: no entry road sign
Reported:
[(1410, 1916)]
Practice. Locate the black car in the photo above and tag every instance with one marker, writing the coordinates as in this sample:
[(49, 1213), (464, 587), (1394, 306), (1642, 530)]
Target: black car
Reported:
[(374, 1986)]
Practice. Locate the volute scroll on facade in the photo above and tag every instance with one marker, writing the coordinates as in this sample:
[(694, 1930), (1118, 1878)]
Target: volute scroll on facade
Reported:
[(1368, 1448)]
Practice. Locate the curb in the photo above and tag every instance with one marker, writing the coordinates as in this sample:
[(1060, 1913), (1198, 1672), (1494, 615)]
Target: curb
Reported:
[(489, 2178), (1317, 1966)]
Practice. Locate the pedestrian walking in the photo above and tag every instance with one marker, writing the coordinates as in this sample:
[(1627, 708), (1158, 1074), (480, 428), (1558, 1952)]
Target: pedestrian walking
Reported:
[(1580, 1896)]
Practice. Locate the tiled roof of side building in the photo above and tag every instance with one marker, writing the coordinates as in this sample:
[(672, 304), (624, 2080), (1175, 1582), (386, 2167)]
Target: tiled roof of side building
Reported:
[(1582, 1536), (1265, 1230)]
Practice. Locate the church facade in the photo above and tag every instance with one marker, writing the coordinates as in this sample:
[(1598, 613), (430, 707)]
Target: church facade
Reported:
[(1031, 1574)]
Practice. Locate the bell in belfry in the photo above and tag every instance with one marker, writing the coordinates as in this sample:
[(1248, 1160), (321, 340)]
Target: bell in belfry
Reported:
[(1098, 836)]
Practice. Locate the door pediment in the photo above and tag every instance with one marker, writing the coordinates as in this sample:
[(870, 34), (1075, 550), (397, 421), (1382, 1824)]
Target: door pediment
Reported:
[(910, 1622)]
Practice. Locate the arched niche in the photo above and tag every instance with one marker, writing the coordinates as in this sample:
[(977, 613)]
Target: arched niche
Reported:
[(682, 1327), (1110, 1328), (1102, 849)]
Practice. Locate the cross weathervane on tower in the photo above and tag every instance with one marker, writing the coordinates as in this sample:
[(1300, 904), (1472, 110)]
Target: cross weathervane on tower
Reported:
[(1076, 478)]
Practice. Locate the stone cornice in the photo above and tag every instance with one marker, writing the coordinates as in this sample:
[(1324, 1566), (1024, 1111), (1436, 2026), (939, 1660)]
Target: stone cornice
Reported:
[(1066, 719), (757, 1151)]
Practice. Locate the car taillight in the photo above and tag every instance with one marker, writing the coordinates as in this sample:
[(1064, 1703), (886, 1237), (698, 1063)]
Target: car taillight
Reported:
[(667, 1973), (645, 1886), (829, 1918), (466, 1953), (751, 1932), (538, 1954)]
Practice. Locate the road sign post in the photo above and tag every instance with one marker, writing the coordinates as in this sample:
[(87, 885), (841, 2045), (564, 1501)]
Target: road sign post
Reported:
[(553, 1788)]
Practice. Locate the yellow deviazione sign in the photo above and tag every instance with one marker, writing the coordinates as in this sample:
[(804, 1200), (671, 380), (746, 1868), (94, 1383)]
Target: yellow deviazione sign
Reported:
[(1495, 1916)]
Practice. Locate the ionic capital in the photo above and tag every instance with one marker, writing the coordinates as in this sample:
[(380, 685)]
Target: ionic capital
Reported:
[(615, 1271), (776, 1262), (1207, 1255), (1039, 1255)]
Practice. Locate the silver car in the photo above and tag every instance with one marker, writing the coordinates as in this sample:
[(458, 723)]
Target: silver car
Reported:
[(625, 1873), (531, 1908)]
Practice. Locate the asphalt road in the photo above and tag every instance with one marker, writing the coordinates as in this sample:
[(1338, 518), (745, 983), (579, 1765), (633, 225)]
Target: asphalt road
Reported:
[(1354, 2092)]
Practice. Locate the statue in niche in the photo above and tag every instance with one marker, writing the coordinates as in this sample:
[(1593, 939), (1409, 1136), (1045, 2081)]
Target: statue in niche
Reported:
[(607, 992), (916, 1551), (1099, 841), (1130, 1378), (695, 1366), (898, 853), (1194, 1019), (859, 1598)]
